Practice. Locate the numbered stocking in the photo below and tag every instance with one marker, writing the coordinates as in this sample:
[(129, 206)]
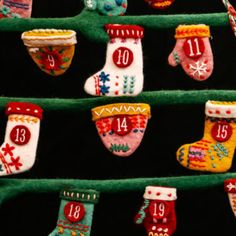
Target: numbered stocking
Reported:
[(75, 213), (16, 9), (122, 74), (51, 49), (157, 213), (230, 188), (215, 151), (17, 153), (160, 4), (121, 126), (193, 51), (107, 7)]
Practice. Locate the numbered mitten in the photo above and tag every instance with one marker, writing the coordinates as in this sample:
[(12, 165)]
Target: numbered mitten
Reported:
[(193, 51), (157, 213), (122, 74), (51, 49), (160, 4), (230, 188), (107, 7), (121, 126), (15, 8), (17, 153), (215, 151), (75, 213)]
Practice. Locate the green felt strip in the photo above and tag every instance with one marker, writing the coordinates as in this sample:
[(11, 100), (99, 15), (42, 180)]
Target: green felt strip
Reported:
[(10, 188), (162, 97), (91, 24)]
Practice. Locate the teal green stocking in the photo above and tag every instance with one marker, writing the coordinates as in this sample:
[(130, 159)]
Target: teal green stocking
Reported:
[(76, 213)]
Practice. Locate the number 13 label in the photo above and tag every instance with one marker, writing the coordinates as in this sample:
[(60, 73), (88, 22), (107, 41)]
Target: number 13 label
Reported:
[(20, 135)]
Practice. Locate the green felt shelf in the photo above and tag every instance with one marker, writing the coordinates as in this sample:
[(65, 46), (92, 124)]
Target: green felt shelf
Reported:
[(162, 97), (11, 188), (91, 24)]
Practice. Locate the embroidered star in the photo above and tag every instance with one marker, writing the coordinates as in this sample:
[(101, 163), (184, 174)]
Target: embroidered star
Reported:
[(15, 162), (104, 89), (104, 77), (8, 150)]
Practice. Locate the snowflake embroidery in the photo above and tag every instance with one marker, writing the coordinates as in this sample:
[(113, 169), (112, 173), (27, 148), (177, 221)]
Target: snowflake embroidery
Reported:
[(104, 77), (199, 69)]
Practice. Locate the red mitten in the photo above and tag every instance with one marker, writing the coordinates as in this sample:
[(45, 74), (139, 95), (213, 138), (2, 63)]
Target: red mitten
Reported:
[(159, 4), (158, 211), (193, 51)]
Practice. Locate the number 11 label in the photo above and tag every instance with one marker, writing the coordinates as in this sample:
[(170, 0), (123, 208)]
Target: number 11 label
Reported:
[(194, 47)]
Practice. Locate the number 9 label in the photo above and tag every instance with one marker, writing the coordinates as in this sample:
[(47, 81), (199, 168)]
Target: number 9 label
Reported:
[(20, 135)]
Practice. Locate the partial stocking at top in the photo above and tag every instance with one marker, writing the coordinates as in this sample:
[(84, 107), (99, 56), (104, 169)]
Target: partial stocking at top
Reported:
[(107, 7), (122, 74), (160, 4), (193, 51), (16, 9)]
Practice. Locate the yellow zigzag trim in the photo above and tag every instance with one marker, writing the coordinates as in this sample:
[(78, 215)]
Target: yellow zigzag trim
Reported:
[(162, 4), (121, 109), (184, 31), (27, 119)]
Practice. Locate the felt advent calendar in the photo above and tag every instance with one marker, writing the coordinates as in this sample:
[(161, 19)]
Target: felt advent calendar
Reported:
[(117, 117)]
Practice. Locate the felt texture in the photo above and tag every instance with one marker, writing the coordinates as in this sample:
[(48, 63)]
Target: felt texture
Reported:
[(11, 188), (90, 24), (193, 51), (122, 73), (230, 189), (215, 151), (122, 132), (75, 214), (157, 214), (152, 98), (18, 150), (107, 7), (232, 14)]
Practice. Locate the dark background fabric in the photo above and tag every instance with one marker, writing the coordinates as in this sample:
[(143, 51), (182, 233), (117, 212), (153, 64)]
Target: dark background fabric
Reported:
[(69, 146)]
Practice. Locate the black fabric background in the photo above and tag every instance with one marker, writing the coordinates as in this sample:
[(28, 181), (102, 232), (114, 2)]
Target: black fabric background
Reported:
[(69, 146)]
